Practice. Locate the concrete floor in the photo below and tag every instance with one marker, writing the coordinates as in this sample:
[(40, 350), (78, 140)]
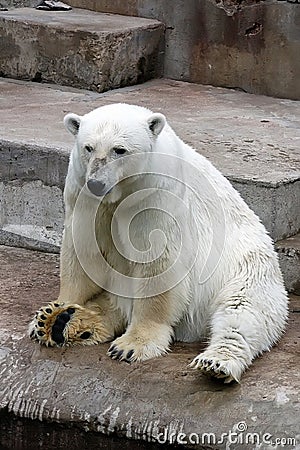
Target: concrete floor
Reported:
[(84, 389)]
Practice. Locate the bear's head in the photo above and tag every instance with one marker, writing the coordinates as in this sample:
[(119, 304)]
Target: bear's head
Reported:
[(112, 144)]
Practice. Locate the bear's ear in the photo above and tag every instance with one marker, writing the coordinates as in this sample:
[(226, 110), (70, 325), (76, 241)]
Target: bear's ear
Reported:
[(156, 122), (72, 123)]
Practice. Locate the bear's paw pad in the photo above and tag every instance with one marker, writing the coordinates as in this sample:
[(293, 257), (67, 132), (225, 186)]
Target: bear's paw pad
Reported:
[(213, 364), (59, 325)]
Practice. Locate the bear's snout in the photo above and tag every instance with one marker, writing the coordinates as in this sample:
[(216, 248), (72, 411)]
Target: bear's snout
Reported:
[(97, 187)]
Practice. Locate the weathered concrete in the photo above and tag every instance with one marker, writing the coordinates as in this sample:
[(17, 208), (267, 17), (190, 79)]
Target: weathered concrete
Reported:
[(33, 237), (17, 3), (289, 258), (252, 45), (253, 140), (18, 433), (83, 387), (79, 48)]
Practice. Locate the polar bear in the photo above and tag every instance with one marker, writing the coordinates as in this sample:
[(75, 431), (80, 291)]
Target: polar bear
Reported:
[(159, 246)]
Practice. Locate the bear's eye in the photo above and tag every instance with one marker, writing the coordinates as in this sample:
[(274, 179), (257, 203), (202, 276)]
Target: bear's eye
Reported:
[(88, 148), (119, 150)]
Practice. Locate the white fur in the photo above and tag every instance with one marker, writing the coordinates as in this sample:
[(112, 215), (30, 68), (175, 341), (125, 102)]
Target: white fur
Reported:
[(235, 297)]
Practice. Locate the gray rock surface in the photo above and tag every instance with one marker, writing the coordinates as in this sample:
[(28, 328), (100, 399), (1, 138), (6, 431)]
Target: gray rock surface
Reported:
[(246, 44), (84, 389), (289, 259), (79, 48)]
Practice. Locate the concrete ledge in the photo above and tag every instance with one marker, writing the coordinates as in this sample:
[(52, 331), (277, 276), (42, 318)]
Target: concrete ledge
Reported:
[(83, 388), (253, 140), (19, 433), (252, 45), (80, 48), (289, 258)]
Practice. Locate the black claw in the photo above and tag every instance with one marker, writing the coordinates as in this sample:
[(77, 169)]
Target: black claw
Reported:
[(217, 365), (129, 354), (114, 352), (222, 372), (32, 334), (209, 361), (86, 335), (119, 354), (56, 305), (41, 324), (48, 310), (71, 310)]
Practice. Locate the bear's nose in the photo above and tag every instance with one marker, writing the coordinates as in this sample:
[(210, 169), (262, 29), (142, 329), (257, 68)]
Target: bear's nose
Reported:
[(97, 188)]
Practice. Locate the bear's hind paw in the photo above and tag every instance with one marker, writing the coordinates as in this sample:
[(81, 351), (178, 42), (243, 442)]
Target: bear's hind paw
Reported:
[(217, 367), (60, 325)]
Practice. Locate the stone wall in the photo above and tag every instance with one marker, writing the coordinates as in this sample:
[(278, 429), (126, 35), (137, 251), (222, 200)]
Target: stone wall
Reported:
[(250, 45)]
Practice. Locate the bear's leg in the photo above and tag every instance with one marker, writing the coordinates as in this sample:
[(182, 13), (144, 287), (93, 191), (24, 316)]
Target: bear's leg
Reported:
[(81, 314), (150, 331), (240, 331)]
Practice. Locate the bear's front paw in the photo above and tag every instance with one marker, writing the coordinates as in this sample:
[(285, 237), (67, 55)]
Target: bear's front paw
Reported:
[(57, 324), (216, 364), (130, 348)]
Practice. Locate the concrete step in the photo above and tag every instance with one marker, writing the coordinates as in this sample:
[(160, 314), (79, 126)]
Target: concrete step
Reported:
[(79, 48), (90, 396), (252, 45), (289, 258), (253, 140)]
